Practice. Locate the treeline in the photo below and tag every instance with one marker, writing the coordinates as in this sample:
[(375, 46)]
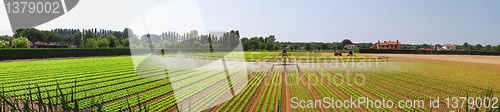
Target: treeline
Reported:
[(466, 47), (269, 43), (100, 38), (187, 40), (95, 38), (5, 41), (91, 38)]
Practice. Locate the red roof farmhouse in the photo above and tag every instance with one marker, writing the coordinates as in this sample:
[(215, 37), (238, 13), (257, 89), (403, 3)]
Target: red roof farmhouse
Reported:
[(350, 46), (387, 45), (449, 47)]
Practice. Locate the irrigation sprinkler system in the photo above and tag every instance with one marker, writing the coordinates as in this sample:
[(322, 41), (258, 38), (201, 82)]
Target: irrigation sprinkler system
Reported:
[(282, 61)]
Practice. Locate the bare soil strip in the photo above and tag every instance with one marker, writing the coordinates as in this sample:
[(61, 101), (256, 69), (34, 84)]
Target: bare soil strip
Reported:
[(248, 96), (463, 59), (252, 104), (277, 101), (234, 99), (314, 94), (285, 93), (270, 85), (231, 99)]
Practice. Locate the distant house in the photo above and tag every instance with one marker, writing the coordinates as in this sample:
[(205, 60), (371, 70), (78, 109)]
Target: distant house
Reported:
[(425, 49), (441, 49), (387, 45), (350, 46), (30, 45), (449, 47)]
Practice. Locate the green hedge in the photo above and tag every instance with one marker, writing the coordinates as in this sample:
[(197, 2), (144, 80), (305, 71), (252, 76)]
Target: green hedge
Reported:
[(392, 51), (53, 46), (31, 53), (38, 53)]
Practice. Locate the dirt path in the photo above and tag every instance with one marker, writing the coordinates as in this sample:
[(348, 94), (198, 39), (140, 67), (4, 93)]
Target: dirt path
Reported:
[(173, 109), (470, 59), (252, 104), (221, 99), (285, 93), (250, 94)]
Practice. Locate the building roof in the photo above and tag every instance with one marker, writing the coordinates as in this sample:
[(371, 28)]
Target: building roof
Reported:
[(448, 45), (388, 43), (350, 45), (427, 49)]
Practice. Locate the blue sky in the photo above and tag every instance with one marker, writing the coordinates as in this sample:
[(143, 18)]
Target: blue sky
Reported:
[(410, 21)]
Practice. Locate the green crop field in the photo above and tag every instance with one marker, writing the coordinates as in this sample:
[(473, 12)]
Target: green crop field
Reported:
[(297, 56), (112, 84)]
